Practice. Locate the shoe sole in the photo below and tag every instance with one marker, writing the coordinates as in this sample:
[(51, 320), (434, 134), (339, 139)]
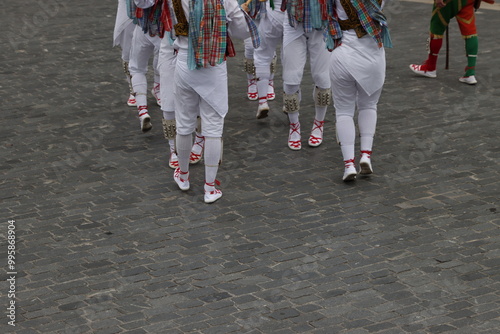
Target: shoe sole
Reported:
[(212, 200), (262, 114), (365, 169), (350, 177), (146, 125)]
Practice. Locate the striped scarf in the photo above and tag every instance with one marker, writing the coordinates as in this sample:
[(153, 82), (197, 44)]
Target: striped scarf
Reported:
[(209, 43), (371, 17)]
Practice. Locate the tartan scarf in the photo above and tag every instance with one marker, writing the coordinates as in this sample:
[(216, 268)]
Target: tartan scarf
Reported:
[(209, 43), (149, 19), (256, 8), (311, 13), (371, 18)]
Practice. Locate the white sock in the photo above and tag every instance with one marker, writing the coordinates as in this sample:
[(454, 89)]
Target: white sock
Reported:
[(199, 142), (367, 122), (346, 133), (184, 144), (140, 86), (320, 113), (168, 115), (293, 117), (213, 150), (262, 75)]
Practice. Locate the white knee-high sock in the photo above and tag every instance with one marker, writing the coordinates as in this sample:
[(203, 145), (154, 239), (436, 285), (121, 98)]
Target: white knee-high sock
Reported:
[(320, 113), (140, 86), (293, 117), (346, 133), (183, 143), (367, 122), (262, 75), (213, 150), (169, 115)]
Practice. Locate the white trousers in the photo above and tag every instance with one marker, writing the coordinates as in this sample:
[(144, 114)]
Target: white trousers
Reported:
[(166, 67), (349, 97), (200, 92), (295, 54), (143, 47)]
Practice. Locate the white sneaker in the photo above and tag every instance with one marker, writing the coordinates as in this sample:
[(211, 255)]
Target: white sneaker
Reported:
[(156, 93), (173, 161), (131, 102), (182, 183), (349, 171), (470, 80), (365, 164), (422, 71), (263, 110), (270, 91), (145, 121)]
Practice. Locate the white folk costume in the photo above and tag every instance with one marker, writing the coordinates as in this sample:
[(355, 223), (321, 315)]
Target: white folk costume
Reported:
[(255, 8), (357, 74), (201, 80), (145, 44), (305, 24), (271, 35), (122, 37)]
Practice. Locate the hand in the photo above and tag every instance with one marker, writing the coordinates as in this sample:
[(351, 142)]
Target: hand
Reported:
[(439, 3), (491, 2)]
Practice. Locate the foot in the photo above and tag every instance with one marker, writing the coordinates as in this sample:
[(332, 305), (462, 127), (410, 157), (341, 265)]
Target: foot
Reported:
[(263, 109), (182, 179), (349, 171), (131, 102), (156, 93), (211, 193), (470, 80), (270, 91), (316, 137), (365, 164), (173, 161), (145, 120), (294, 137), (252, 90), (197, 150), (422, 70)]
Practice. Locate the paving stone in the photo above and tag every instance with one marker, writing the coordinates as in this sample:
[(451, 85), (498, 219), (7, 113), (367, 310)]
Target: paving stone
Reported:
[(107, 244)]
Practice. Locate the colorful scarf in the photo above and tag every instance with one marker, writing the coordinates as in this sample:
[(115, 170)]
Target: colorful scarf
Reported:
[(311, 13), (149, 19), (209, 43), (371, 17)]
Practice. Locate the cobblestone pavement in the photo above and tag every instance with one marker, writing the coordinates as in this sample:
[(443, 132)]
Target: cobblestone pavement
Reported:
[(106, 243)]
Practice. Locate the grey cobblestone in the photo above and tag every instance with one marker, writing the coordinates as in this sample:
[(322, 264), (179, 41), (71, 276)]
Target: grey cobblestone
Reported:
[(107, 244)]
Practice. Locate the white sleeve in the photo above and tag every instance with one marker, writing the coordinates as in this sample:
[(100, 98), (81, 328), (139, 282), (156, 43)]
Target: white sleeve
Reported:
[(144, 3), (237, 25)]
